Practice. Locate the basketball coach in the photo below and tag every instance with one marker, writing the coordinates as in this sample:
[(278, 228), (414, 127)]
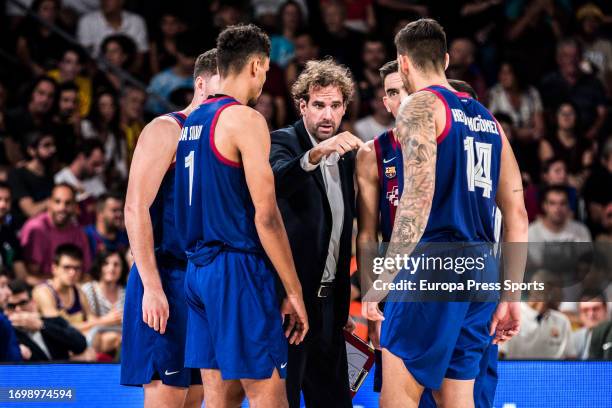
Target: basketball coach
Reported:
[(313, 172)]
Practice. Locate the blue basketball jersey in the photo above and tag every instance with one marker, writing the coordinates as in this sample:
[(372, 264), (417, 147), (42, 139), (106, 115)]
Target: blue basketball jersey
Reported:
[(467, 173), (213, 206), (165, 236)]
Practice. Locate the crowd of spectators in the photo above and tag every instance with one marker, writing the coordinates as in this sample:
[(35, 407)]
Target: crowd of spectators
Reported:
[(80, 78)]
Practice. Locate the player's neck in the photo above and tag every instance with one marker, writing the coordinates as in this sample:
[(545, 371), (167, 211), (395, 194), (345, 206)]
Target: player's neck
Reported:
[(421, 82), (235, 87)]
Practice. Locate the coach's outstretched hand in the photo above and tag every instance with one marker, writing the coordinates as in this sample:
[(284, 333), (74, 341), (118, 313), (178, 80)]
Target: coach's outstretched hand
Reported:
[(155, 309), (342, 143), (506, 321), (296, 329)]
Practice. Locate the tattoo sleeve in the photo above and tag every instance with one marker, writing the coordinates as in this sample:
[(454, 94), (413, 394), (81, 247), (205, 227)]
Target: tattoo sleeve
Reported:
[(416, 133)]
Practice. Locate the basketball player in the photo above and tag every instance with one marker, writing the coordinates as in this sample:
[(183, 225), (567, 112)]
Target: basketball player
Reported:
[(155, 312), (377, 177), (449, 196), (235, 237)]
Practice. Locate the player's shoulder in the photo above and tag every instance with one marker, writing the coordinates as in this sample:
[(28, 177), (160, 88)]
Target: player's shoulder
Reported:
[(241, 117), (163, 122)]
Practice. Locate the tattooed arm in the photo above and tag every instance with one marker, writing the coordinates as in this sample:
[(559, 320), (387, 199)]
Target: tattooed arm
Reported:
[(416, 132)]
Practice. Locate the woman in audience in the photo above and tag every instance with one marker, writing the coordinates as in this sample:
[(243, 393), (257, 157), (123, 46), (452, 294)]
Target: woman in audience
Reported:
[(105, 295), (282, 46), (162, 53), (518, 100), (566, 143), (120, 52)]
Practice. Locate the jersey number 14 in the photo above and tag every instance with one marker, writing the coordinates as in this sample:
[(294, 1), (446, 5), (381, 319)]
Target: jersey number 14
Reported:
[(478, 166)]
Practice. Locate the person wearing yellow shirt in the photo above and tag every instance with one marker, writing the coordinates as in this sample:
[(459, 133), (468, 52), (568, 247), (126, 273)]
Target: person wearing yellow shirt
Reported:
[(69, 69)]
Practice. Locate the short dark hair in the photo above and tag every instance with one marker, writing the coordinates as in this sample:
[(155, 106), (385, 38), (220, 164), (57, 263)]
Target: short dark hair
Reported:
[(548, 163), (464, 87), (65, 185), (205, 64), (88, 146), (502, 117), (554, 189), (592, 295), (101, 257), (69, 250), (78, 51), (18, 286), (68, 86), (424, 41), (236, 44), (388, 69), (101, 201), (5, 186), (128, 46)]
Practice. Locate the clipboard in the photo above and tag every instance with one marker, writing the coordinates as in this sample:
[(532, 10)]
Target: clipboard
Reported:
[(360, 359)]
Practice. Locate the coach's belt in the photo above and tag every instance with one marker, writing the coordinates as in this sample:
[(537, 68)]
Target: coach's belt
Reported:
[(325, 290)]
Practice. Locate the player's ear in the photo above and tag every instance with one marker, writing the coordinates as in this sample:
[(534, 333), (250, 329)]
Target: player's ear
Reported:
[(255, 66), (402, 64), (446, 60)]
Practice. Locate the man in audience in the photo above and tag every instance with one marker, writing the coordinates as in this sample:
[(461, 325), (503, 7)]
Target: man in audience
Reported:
[(379, 121), (84, 173), (597, 192), (569, 83), (373, 56), (108, 233), (32, 183), (593, 310), (11, 257), (462, 66), (131, 118), (66, 122), (48, 338), (601, 342), (44, 233)]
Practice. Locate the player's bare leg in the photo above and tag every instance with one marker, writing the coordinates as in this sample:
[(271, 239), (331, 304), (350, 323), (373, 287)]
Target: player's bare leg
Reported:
[(270, 393), (400, 389), (159, 395), (455, 393), (219, 393), (195, 396)]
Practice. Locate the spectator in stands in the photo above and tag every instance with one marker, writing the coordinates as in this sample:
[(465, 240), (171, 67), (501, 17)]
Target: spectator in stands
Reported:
[(43, 234), (119, 50), (11, 257), (103, 124), (518, 100), (112, 19), (373, 56), (555, 225), (593, 310), (48, 338), (566, 142), (178, 76), (601, 341), (380, 120), (162, 53), (554, 173), (306, 49), (606, 225), (32, 183), (360, 15), (131, 119), (69, 70), (66, 122), (108, 233), (35, 116), (265, 106), (39, 48), (569, 83), (342, 43), (106, 296), (597, 192), (461, 66), (545, 332), (525, 150), (291, 22), (597, 49), (10, 351), (84, 173)]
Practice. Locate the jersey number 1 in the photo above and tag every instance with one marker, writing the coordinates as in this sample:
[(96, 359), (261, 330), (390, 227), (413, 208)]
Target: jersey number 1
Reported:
[(478, 173), (190, 164)]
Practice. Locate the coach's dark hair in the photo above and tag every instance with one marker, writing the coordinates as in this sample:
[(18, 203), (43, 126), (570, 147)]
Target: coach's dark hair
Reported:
[(236, 44), (205, 64), (424, 41), (69, 250), (388, 69), (464, 87)]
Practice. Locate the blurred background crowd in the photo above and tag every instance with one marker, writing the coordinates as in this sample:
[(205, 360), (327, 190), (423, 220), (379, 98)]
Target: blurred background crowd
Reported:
[(79, 79)]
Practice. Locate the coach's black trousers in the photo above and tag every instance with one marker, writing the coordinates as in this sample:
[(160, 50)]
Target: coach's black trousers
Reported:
[(318, 366)]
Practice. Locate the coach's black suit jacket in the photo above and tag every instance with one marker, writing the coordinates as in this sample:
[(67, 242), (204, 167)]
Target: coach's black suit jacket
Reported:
[(302, 200)]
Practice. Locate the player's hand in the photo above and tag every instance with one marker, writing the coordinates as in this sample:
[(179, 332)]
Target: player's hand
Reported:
[(374, 333), (155, 309), (350, 325), (296, 329), (342, 143), (370, 311), (506, 321)]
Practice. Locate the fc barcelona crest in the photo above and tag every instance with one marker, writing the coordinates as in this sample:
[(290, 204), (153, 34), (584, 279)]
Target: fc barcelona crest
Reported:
[(390, 172)]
